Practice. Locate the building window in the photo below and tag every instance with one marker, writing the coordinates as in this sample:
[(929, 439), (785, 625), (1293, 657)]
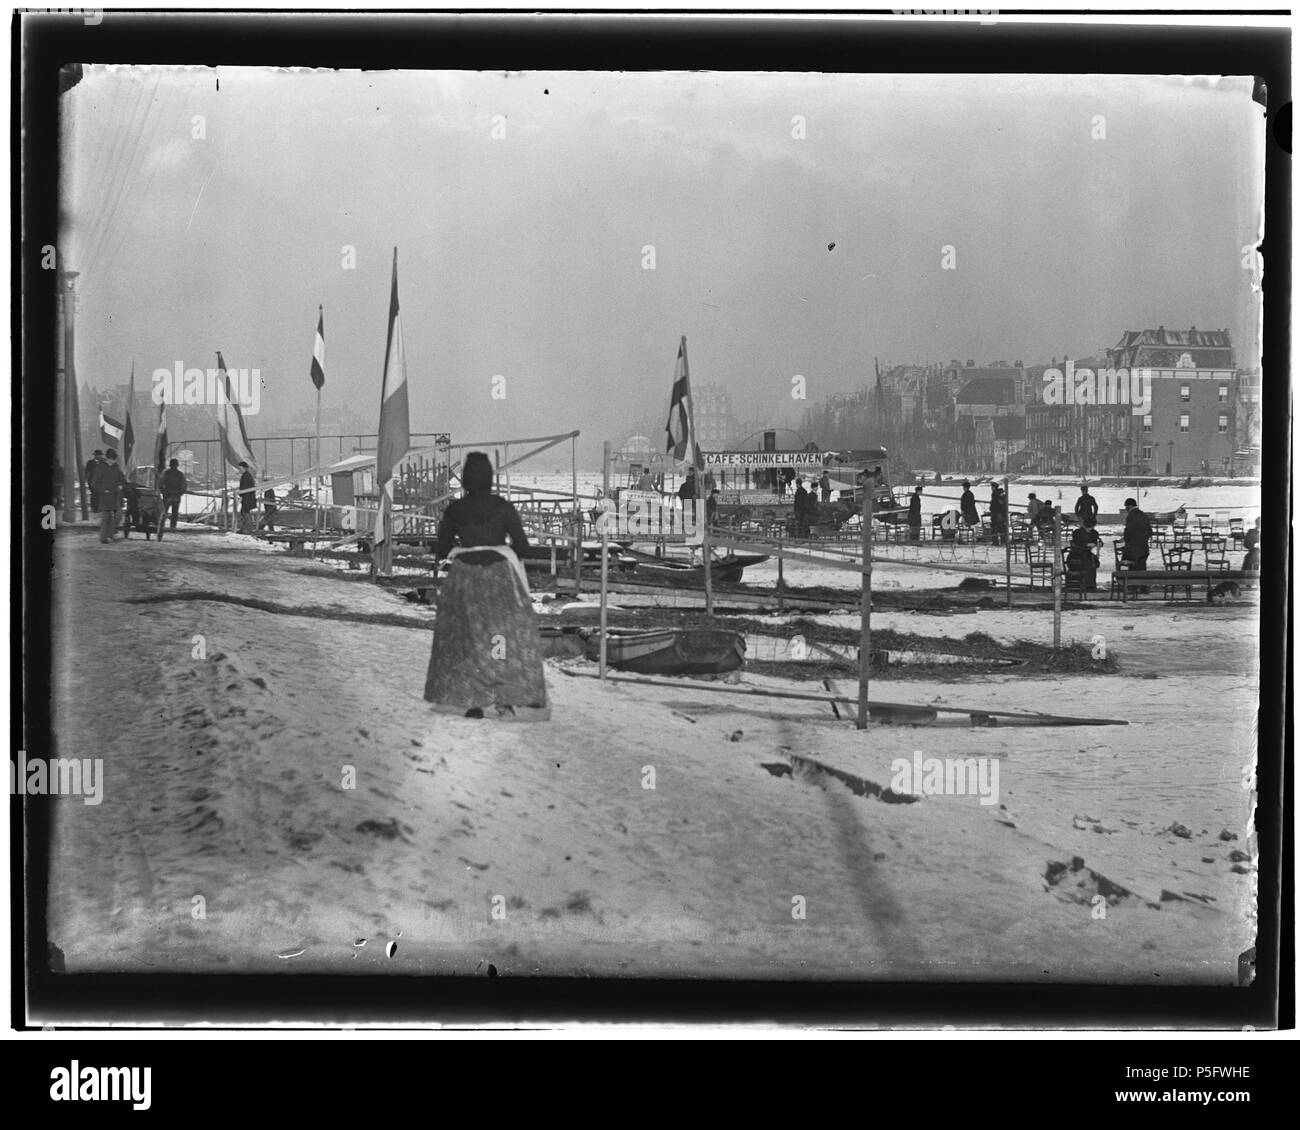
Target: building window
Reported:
[(1223, 394), (1223, 425), (1185, 392), (1184, 422), (1146, 423), (1146, 452)]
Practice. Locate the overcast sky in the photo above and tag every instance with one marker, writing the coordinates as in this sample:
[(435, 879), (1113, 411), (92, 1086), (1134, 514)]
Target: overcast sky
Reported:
[(522, 255)]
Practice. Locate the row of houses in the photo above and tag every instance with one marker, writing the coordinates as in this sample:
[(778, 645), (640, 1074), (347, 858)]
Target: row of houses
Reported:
[(1191, 410)]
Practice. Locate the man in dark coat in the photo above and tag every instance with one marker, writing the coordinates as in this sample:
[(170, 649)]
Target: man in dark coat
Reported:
[(1251, 541), (108, 482), (998, 513), (914, 515), (969, 514), (801, 497), (826, 486), (247, 499), (268, 510), (1086, 508), (94, 461), (131, 493), (1137, 536), (173, 486)]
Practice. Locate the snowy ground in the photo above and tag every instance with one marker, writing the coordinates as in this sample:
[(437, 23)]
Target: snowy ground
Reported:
[(229, 837)]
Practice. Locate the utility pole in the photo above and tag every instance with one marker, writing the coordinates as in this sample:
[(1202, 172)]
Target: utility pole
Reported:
[(72, 460)]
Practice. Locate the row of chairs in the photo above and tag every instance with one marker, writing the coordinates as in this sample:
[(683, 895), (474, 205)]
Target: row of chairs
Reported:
[(1041, 559)]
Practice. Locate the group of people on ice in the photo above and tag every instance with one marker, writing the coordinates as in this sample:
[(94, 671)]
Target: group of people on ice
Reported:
[(121, 501)]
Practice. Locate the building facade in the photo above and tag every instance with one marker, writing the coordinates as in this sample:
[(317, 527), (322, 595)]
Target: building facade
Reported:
[(715, 424), (1191, 427)]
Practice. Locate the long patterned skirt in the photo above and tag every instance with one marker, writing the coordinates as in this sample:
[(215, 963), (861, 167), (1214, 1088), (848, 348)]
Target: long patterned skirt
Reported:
[(487, 651)]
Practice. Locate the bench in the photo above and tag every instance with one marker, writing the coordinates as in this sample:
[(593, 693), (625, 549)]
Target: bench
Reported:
[(1123, 578)]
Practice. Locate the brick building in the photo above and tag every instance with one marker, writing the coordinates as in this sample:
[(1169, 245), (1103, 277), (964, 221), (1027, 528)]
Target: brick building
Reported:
[(1192, 425)]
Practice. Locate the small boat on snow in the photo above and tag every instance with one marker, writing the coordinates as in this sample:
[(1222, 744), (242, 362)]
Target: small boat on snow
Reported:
[(726, 570), (675, 651)]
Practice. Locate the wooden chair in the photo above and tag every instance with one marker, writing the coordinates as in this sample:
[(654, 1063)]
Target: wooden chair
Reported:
[(1237, 532), (1216, 553), (1121, 566), (1178, 559), (1077, 579), (1020, 537), (1041, 560)]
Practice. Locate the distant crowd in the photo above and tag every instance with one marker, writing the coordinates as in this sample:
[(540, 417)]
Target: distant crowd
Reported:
[(149, 504)]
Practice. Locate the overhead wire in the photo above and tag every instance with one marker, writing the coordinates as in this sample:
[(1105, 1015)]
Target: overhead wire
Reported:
[(127, 173), (140, 198), (90, 223)]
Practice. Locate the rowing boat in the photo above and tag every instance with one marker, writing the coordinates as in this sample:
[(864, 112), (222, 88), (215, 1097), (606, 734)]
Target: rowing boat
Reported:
[(725, 570), (676, 651)]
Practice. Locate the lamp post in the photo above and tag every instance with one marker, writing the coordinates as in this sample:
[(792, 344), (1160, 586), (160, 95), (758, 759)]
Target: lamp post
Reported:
[(1169, 467)]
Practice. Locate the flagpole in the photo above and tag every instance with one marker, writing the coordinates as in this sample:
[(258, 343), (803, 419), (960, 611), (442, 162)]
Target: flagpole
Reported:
[(864, 637), (697, 460), (320, 479), (604, 563), (228, 511), (128, 428)]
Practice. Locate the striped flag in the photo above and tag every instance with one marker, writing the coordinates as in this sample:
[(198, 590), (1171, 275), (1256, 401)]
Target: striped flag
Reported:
[(394, 416), (681, 425), (128, 432), (160, 439), (110, 430), (318, 354), (235, 445)]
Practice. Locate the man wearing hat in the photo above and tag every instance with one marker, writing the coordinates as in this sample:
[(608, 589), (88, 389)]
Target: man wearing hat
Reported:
[(969, 514), (1137, 536), (914, 516), (107, 481), (173, 486), (247, 499), (94, 461), (1086, 508)]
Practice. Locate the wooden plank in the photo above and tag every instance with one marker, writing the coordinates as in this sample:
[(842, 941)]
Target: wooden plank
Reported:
[(1036, 719)]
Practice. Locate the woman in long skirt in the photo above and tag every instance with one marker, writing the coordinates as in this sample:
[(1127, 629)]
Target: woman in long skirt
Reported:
[(487, 652)]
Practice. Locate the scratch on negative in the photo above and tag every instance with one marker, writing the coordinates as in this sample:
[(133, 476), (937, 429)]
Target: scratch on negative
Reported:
[(200, 197)]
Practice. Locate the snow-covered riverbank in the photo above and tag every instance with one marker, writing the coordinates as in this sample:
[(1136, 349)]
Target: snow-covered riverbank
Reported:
[(278, 796)]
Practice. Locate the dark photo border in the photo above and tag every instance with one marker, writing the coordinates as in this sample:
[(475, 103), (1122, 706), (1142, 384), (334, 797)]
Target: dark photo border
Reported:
[(43, 45)]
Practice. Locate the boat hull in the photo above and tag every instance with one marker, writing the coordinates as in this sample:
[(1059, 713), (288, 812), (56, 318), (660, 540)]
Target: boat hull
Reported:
[(684, 651)]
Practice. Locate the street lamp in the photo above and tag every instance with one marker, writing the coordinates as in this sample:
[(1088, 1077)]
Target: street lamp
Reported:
[(1169, 467)]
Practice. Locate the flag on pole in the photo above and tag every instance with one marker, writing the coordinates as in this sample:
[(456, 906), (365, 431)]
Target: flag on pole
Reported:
[(110, 430), (160, 439), (128, 432), (235, 443), (681, 424), (318, 354), (394, 416)]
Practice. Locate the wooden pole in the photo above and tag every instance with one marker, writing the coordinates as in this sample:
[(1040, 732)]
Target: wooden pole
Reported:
[(72, 453), (780, 569), (692, 685), (1006, 530), (604, 562), (864, 645), (705, 549), (577, 521), (1057, 577)]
